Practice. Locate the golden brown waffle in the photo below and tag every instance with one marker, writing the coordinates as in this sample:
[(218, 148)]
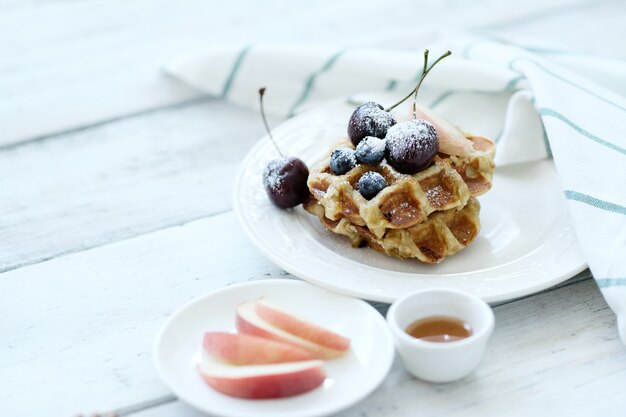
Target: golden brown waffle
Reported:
[(442, 234), (408, 200)]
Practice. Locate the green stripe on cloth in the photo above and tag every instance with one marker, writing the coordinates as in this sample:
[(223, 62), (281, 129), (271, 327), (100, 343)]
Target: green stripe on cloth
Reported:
[(310, 82), (234, 70), (443, 97), (544, 111), (565, 80), (610, 282), (546, 143), (595, 202), (510, 86), (497, 139)]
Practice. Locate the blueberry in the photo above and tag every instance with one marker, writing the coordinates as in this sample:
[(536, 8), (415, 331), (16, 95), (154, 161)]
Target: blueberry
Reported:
[(369, 119), (370, 150), (370, 184), (411, 146), (285, 181), (342, 160)]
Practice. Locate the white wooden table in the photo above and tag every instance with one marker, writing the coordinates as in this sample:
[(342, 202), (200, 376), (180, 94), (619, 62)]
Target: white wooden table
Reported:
[(115, 206)]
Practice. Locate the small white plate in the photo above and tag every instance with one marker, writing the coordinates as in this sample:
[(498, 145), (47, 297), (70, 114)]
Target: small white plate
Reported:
[(348, 379), (526, 244)]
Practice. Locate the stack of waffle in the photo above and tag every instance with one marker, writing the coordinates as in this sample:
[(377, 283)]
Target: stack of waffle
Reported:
[(428, 216)]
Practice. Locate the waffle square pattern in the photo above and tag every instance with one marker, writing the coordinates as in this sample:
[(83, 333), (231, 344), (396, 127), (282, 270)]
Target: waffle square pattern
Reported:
[(428, 215)]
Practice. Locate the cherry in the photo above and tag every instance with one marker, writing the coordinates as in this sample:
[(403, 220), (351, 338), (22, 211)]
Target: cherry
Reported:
[(284, 178), (412, 145), (369, 119)]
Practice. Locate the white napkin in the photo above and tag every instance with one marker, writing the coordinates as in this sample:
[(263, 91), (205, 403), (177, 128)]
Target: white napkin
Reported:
[(558, 104)]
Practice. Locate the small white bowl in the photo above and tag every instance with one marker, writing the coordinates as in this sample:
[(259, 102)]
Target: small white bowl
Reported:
[(441, 362)]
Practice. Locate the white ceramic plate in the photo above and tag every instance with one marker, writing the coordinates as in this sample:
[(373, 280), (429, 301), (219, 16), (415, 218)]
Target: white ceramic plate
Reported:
[(348, 379), (526, 243)]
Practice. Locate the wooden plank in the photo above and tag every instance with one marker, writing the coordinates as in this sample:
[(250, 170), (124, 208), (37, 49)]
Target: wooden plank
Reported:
[(119, 180), (70, 64), (85, 332), (89, 320), (42, 216)]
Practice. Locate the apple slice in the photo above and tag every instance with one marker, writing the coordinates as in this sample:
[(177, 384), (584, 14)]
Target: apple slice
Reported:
[(451, 140), (243, 349), (249, 322), (290, 323), (263, 381)]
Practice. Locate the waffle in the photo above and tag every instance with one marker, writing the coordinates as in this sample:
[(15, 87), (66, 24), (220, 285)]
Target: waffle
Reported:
[(444, 233), (409, 200)]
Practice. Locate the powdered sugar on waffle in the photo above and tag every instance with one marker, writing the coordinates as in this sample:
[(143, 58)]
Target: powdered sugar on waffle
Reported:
[(436, 196)]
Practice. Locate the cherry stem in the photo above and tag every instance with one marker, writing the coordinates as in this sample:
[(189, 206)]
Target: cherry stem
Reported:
[(267, 127), (425, 72)]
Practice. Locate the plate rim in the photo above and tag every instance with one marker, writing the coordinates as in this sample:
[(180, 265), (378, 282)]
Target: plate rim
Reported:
[(181, 395)]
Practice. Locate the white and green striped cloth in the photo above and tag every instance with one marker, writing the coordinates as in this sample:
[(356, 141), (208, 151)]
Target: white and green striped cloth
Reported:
[(538, 102)]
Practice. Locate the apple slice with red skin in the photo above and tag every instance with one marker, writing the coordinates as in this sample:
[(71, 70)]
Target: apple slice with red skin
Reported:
[(249, 322), (290, 323), (451, 140), (263, 381), (243, 349)]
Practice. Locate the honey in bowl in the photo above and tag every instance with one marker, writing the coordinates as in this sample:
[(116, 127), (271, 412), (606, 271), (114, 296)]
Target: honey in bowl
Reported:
[(439, 329)]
